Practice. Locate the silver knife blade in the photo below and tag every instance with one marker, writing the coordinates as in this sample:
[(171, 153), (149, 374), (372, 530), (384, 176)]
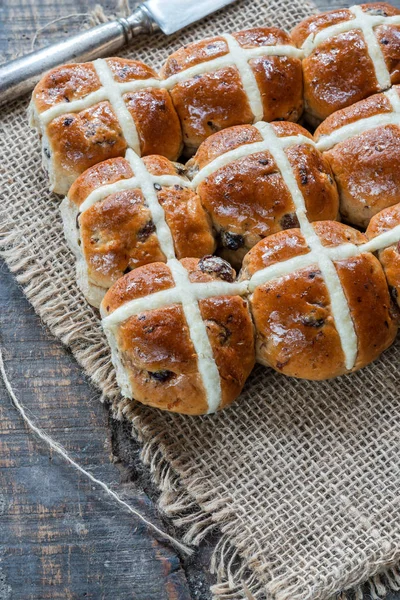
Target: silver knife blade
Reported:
[(173, 15)]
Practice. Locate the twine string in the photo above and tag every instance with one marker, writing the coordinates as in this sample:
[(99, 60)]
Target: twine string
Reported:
[(95, 17), (53, 22), (54, 445)]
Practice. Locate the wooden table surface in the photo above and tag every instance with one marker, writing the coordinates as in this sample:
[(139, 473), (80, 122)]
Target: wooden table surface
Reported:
[(60, 536)]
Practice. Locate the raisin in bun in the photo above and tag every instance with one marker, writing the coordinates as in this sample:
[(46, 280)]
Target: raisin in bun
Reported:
[(320, 314), (242, 174), (109, 226), (229, 80), (362, 145), (90, 112), (387, 222), (191, 358), (344, 63)]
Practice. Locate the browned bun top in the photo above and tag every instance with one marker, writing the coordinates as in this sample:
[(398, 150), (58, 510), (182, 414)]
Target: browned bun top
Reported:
[(212, 101), (65, 83), (315, 23), (156, 347), (156, 277), (380, 9), (212, 48), (72, 82), (366, 162), (295, 328), (389, 257), (369, 107), (118, 233), (340, 70), (143, 281), (388, 37), (78, 140), (221, 142), (104, 173), (234, 137), (126, 69), (248, 198), (111, 171), (385, 220), (285, 245)]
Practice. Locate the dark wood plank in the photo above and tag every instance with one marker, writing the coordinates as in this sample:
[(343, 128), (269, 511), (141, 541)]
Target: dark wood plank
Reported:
[(20, 19), (61, 536)]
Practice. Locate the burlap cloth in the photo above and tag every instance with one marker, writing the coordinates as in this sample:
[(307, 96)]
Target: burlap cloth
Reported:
[(301, 478)]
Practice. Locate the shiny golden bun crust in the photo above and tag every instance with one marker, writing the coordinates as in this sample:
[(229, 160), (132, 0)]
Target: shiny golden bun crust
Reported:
[(248, 199), (339, 71), (295, 331), (155, 347), (366, 166), (286, 323), (389, 257), (117, 234), (215, 101), (76, 141)]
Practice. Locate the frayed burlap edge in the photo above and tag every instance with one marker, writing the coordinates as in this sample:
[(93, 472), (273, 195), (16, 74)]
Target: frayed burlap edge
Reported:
[(201, 516)]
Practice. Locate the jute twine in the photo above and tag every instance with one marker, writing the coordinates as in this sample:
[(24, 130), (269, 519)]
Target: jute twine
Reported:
[(301, 479), (56, 447)]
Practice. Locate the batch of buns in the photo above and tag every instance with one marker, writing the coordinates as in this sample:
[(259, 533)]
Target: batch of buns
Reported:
[(156, 242)]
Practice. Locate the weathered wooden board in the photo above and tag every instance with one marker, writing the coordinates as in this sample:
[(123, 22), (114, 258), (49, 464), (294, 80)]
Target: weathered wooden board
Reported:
[(60, 537)]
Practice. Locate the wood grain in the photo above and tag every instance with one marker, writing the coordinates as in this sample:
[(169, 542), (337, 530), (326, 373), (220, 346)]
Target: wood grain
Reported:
[(60, 537)]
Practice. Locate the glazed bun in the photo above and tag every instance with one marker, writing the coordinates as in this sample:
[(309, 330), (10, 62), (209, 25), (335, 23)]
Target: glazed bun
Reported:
[(318, 314), (387, 223), (191, 356), (90, 112), (234, 79), (350, 53), (315, 298), (241, 175), (108, 220), (362, 146)]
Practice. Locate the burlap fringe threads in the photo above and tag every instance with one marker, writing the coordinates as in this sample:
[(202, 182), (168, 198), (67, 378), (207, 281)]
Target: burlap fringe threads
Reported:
[(234, 579)]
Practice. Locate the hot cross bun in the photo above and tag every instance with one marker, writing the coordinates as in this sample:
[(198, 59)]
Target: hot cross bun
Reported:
[(350, 53), (90, 112), (182, 338), (108, 219), (233, 79), (320, 301), (362, 146), (246, 177)]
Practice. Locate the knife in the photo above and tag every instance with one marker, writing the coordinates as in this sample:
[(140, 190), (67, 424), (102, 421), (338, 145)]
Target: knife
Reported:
[(20, 75)]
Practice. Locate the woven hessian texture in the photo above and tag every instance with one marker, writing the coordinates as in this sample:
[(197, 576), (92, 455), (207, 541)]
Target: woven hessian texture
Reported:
[(301, 478)]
